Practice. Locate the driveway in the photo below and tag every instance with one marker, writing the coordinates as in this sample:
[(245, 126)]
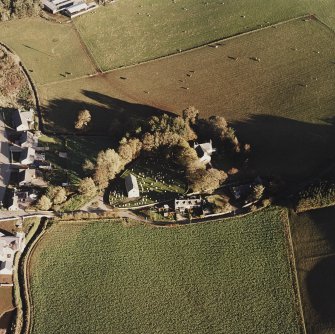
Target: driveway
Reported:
[(4, 159)]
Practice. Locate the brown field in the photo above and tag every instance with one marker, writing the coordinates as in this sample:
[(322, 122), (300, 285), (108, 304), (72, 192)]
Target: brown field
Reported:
[(6, 305), (8, 226), (282, 104), (314, 245)]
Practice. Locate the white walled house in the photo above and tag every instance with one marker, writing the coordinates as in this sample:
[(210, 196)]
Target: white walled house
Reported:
[(204, 151), (27, 177), (9, 245), (27, 156), (28, 139), (23, 120), (132, 186)]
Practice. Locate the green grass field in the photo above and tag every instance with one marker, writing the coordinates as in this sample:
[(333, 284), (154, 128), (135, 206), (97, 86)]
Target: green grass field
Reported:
[(225, 277), (314, 246), (47, 49), (132, 31), (123, 33)]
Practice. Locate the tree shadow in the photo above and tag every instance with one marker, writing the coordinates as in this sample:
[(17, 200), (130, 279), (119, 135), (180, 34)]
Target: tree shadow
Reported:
[(314, 243), (294, 150), (110, 116), (321, 289)]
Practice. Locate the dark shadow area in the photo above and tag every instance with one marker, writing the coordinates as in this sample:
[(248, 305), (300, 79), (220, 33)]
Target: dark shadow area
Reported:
[(110, 116), (6, 319), (313, 235), (294, 150), (321, 288)]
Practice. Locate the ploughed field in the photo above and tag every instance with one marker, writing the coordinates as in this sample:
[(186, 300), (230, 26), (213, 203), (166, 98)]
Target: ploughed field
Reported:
[(112, 277), (275, 86), (314, 246)]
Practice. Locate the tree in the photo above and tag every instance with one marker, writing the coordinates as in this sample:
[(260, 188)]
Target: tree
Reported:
[(202, 180), (108, 165), (84, 117), (87, 187), (191, 114), (129, 149), (100, 178), (257, 191), (44, 203), (57, 194), (88, 165)]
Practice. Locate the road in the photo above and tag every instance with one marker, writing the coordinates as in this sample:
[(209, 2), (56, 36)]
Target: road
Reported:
[(4, 159)]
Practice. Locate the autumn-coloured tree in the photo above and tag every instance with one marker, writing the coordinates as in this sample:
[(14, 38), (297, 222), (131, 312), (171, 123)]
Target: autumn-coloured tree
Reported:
[(44, 203), (87, 187), (83, 118)]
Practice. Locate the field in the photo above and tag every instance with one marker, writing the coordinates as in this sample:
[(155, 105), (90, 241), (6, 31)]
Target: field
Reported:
[(6, 306), (231, 276), (282, 105), (78, 149), (133, 31), (314, 245), (50, 51)]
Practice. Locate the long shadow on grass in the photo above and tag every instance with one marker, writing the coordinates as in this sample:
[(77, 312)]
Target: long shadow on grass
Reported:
[(315, 251), (110, 116), (288, 148)]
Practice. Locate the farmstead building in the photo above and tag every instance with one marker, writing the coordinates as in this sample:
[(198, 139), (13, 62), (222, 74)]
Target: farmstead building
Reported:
[(23, 120), (9, 245)]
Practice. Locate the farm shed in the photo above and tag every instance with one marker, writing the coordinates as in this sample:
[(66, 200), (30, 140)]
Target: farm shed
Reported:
[(23, 120), (132, 186), (55, 6), (79, 8)]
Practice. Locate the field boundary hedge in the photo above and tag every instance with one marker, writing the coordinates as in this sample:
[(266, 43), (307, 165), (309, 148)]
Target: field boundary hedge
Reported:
[(292, 264)]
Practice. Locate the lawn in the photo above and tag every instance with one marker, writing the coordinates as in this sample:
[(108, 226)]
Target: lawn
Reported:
[(314, 246), (231, 276), (78, 149), (283, 105), (50, 51), (133, 31)]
